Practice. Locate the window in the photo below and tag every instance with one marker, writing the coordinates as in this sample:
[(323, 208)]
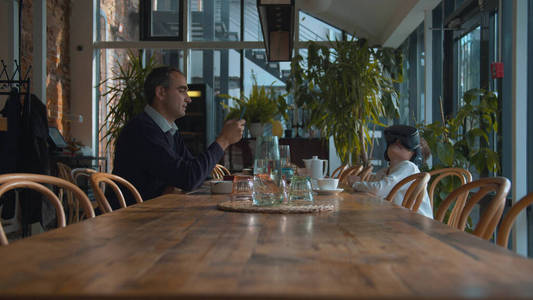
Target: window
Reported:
[(468, 54), (161, 20), (117, 22), (215, 20), (252, 27), (313, 29), (412, 89)]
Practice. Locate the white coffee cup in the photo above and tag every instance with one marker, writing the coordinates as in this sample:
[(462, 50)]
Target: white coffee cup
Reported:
[(327, 183)]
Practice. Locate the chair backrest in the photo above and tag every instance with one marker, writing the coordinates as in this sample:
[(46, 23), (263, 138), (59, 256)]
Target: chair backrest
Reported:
[(338, 171), (76, 173), (59, 182), (64, 172), (415, 193), (509, 218), (219, 171), (35, 181), (463, 175), (492, 214), (353, 170), (20, 183), (98, 177), (84, 172), (73, 206), (438, 175), (366, 172), (71, 175)]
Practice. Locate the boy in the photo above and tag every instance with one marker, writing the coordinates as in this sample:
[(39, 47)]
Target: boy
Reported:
[(404, 153)]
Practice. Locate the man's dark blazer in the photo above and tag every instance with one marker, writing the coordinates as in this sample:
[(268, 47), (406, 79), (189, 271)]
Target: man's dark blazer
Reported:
[(145, 157)]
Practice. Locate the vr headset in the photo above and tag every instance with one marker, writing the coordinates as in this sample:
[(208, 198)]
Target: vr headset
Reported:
[(408, 137)]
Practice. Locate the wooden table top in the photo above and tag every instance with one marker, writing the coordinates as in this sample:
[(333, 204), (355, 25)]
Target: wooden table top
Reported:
[(181, 246)]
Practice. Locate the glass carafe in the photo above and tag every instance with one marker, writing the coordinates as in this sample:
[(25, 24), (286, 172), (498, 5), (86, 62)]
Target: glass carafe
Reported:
[(267, 171), (267, 156)]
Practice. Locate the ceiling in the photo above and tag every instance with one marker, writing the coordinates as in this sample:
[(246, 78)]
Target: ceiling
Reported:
[(381, 22)]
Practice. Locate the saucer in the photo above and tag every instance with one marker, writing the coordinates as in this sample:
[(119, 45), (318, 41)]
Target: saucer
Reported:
[(328, 192)]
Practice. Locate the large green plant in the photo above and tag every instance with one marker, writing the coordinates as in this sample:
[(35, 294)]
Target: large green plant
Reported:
[(262, 105), (348, 87), (462, 141), (125, 94)]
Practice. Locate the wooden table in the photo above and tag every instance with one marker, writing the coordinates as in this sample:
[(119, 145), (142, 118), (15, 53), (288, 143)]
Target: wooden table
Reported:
[(182, 246)]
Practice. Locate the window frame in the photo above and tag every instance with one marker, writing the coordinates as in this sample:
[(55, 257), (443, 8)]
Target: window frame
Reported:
[(145, 30)]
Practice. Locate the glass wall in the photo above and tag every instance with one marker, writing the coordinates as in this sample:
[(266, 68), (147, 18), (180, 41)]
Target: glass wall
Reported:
[(117, 20), (412, 89), (468, 54), (252, 27), (215, 20), (220, 68), (313, 29)]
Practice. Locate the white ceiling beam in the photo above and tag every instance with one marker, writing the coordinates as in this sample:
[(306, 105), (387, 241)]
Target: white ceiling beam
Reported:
[(397, 32)]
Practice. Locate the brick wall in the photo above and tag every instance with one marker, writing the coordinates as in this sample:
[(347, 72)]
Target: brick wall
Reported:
[(58, 58)]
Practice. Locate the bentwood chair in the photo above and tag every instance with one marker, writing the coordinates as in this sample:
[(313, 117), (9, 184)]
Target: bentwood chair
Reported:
[(438, 175), (508, 220), (110, 179), (72, 175), (73, 206), (219, 171), (35, 181), (366, 173), (338, 171), (414, 194), (353, 170), (466, 200), (78, 173)]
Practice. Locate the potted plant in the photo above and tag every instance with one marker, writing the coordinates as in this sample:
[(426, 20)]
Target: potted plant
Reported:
[(260, 107), (462, 141), (125, 95), (348, 87)]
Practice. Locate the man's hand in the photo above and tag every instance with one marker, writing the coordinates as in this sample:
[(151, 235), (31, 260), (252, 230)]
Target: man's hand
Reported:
[(231, 133)]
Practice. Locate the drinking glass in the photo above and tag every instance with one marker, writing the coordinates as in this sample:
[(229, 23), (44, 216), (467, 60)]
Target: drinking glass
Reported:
[(242, 188), (300, 191), (266, 191)]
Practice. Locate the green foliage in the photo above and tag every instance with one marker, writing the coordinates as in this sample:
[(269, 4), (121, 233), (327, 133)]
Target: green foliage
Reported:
[(462, 141), (125, 95), (347, 87), (262, 105)]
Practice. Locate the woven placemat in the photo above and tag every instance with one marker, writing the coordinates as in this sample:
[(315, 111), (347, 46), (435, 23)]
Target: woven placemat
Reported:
[(248, 207)]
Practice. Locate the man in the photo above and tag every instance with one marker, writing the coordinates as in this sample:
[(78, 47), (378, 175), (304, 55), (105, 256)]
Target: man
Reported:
[(151, 154)]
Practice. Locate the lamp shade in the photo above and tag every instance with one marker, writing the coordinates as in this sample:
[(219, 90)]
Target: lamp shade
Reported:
[(277, 24)]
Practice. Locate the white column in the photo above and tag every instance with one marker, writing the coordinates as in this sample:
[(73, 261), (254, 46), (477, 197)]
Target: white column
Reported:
[(519, 126), (83, 101), (428, 45), (38, 81)]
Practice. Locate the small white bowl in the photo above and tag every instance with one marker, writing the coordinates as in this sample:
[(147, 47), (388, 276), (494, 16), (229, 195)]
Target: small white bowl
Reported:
[(221, 187)]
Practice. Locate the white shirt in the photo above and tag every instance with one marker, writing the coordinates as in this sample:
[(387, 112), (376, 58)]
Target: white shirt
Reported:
[(160, 120), (381, 183)]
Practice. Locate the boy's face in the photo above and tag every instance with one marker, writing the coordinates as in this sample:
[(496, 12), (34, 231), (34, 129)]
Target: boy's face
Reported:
[(397, 152)]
